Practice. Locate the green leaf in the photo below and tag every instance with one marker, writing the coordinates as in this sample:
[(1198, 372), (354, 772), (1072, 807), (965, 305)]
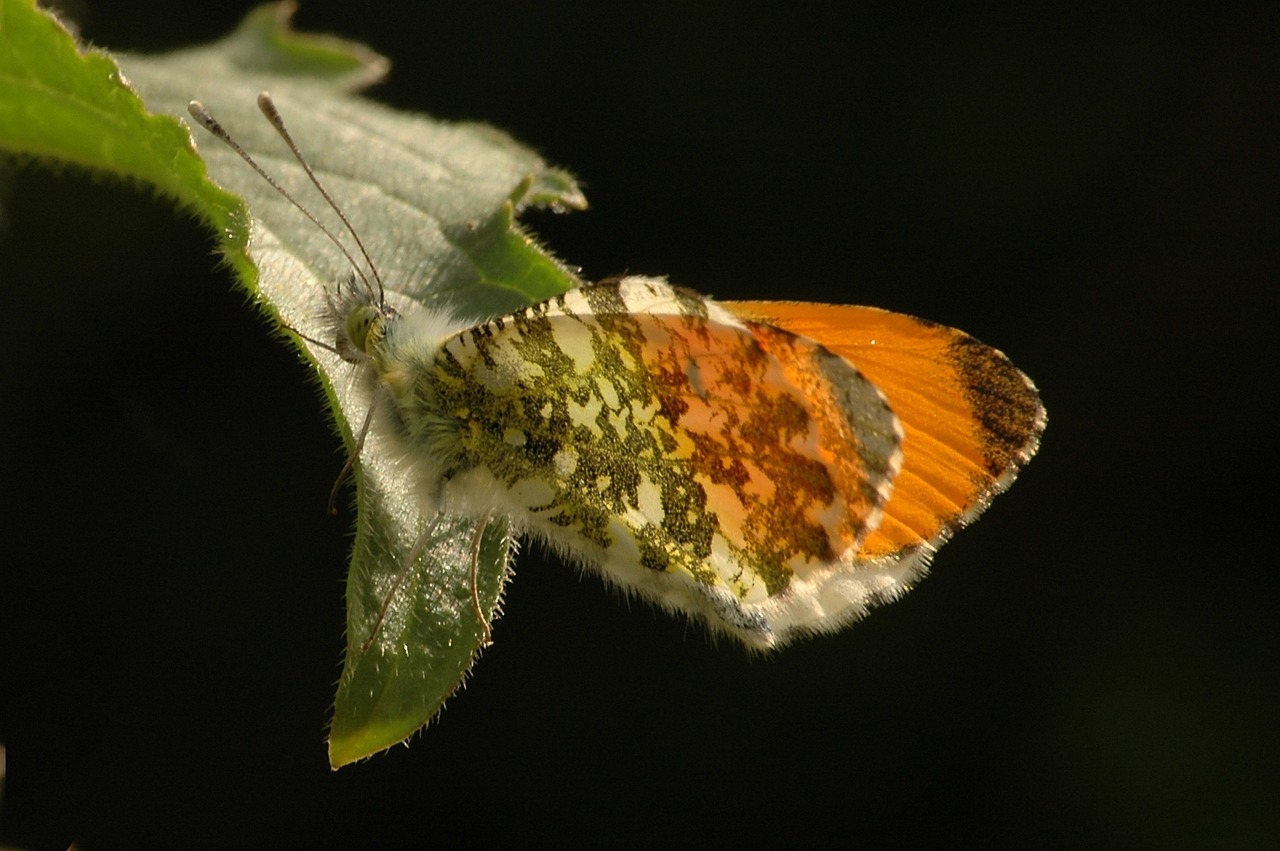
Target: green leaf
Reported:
[(435, 205), (60, 103)]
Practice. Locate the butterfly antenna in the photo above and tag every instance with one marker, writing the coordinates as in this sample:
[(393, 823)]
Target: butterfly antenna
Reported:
[(268, 107), (206, 120)]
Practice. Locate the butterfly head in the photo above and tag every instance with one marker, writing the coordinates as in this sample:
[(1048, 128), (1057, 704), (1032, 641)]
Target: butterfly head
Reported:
[(360, 323)]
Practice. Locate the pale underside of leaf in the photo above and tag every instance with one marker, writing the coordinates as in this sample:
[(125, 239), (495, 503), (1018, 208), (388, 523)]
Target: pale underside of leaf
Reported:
[(434, 204)]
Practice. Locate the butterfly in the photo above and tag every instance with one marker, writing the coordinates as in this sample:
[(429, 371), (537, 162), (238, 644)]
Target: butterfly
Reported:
[(771, 469)]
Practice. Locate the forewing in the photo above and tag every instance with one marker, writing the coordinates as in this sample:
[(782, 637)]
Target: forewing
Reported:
[(970, 418)]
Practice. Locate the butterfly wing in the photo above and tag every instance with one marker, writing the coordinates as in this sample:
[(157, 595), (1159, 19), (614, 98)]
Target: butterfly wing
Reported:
[(722, 468), (773, 468), (971, 420)]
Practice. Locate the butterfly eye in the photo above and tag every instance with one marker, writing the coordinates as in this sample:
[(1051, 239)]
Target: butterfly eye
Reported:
[(364, 327)]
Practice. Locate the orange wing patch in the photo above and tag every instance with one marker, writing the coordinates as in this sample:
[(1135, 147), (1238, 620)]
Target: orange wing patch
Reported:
[(971, 419)]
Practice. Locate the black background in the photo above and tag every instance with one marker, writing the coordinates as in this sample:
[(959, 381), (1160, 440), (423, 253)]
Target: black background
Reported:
[(1093, 664)]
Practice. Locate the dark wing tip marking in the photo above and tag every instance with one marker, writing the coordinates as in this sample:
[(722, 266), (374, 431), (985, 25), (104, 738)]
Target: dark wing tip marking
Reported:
[(1005, 401)]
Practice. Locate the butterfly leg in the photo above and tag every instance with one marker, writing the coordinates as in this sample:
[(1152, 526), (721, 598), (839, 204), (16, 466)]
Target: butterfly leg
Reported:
[(487, 633), (351, 459), (418, 546)]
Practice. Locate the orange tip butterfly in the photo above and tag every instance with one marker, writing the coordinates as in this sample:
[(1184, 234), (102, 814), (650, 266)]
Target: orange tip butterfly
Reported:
[(772, 469)]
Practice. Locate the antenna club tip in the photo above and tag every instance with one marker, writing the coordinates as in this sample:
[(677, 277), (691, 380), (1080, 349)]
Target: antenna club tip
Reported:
[(267, 105), (202, 116)]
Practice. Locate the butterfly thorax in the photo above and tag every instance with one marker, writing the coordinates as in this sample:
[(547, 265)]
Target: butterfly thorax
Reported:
[(406, 352)]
